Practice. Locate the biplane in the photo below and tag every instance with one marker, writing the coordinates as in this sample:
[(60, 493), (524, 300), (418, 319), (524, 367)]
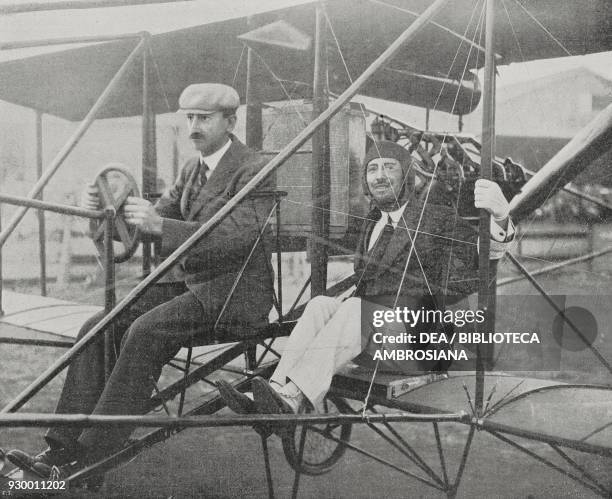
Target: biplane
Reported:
[(314, 58)]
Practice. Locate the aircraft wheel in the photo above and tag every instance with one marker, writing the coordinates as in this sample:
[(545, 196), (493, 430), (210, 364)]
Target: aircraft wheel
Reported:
[(320, 452)]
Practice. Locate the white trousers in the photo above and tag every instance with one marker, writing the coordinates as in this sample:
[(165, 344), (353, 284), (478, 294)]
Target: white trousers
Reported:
[(326, 337)]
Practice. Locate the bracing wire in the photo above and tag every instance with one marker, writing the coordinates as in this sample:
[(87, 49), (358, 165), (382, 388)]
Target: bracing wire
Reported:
[(479, 26), (362, 111), (441, 26), (280, 82), (553, 187), (413, 240), (429, 187), (550, 35), (238, 65)]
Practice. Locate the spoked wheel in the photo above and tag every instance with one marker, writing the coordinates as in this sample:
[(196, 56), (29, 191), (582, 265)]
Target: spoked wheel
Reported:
[(320, 451), (115, 184)]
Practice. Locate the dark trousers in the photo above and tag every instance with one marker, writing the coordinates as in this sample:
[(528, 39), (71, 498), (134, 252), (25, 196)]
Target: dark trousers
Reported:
[(148, 335)]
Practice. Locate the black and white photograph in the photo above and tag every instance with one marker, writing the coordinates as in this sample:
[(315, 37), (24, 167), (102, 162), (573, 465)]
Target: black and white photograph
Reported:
[(306, 249)]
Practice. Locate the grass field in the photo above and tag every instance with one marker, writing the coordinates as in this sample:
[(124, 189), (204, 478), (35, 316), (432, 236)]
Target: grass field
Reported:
[(227, 463)]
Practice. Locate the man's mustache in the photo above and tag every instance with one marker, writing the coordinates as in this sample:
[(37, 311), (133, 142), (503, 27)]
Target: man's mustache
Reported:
[(196, 135), (382, 183)]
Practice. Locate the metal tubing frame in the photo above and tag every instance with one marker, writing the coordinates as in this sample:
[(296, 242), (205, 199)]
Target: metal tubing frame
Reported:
[(243, 268), (63, 209), (19, 8), (1, 279), (42, 250), (403, 447), (543, 292), (300, 457), (197, 374), (149, 146), (185, 374), (109, 290), (407, 451), (64, 41), (266, 453), (581, 195), (37, 343), (590, 142), (321, 174), (277, 296), (419, 461), (487, 158), (206, 408), (270, 167), (73, 140), (595, 488), (37, 420), (441, 453), (493, 427), (378, 459), (466, 451), (279, 263), (557, 266), (209, 407), (576, 466), (299, 297), (254, 123)]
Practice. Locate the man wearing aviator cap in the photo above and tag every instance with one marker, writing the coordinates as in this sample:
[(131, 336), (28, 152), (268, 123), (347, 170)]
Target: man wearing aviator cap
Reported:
[(408, 255), (186, 304)]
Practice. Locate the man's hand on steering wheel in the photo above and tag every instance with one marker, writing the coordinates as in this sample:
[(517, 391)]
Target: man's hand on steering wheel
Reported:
[(141, 214), (90, 197)]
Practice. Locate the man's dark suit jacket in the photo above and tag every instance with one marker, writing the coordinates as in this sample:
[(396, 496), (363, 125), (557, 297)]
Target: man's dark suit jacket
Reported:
[(211, 267), (446, 246)]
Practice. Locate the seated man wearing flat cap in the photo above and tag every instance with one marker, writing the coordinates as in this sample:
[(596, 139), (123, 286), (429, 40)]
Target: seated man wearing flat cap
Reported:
[(186, 303)]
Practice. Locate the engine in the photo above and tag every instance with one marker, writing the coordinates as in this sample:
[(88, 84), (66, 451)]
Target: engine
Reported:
[(448, 165)]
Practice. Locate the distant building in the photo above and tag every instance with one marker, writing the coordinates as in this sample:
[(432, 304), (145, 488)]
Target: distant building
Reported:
[(536, 118)]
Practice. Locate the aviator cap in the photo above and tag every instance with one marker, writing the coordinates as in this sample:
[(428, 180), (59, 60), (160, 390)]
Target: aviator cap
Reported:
[(207, 98), (388, 149)]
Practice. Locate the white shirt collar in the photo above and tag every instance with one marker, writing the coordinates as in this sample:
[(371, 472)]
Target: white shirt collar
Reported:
[(212, 160), (395, 215)]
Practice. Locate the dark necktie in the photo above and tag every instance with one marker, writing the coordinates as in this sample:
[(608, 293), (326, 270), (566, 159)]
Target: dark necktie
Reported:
[(374, 256), (378, 250), (199, 181)]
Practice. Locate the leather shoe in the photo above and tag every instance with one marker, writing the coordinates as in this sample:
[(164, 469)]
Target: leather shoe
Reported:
[(46, 465), (235, 400), (268, 400), (49, 457)]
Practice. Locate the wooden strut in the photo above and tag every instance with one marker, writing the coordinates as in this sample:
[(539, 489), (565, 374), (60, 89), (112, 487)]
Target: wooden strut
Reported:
[(87, 421), (556, 266), (42, 231), (17, 8), (321, 186), (149, 146), (266, 171), (588, 144), (45, 42), (63, 209), (487, 157)]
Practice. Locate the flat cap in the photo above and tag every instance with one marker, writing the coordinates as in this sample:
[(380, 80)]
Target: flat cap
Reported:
[(207, 98)]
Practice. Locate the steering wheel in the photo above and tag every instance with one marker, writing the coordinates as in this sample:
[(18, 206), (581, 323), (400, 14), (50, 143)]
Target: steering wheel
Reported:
[(115, 183)]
